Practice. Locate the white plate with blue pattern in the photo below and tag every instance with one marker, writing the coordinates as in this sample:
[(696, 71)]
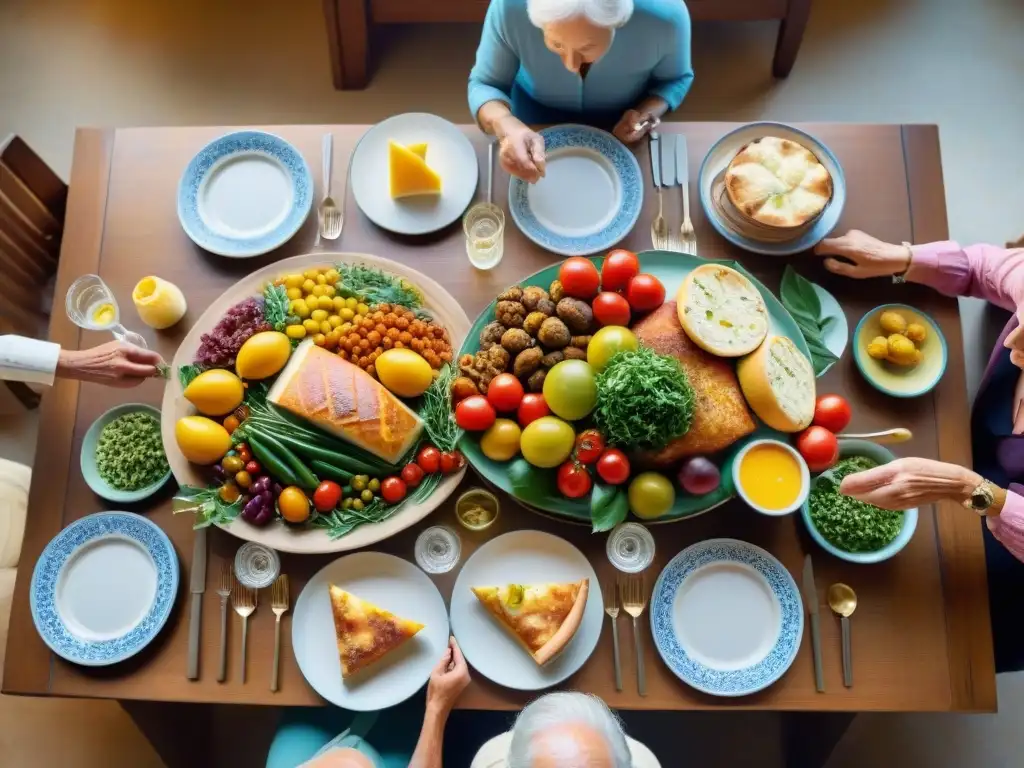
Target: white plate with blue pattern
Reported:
[(103, 588), (590, 196), (727, 147), (245, 194), (726, 617)]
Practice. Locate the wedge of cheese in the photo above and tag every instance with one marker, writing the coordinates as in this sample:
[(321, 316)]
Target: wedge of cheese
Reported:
[(721, 311), (418, 149), (409, 173), (778, 382), (344, 400)]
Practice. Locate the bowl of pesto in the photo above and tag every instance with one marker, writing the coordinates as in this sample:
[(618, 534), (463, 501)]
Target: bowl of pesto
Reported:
[(849, 529), (123, 456)]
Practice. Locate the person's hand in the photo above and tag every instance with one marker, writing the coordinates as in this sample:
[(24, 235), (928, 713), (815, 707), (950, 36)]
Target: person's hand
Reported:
[(1014, 342), (865, 256), (520, 149), (449, 679), (114, 364), (907, 483), (626, 129)]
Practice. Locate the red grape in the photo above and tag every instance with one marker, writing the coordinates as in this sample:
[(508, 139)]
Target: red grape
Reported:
[(699, 476)]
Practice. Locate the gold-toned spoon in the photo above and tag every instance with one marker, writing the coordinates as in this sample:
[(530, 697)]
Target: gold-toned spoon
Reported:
[(896, 435), (843, 601)]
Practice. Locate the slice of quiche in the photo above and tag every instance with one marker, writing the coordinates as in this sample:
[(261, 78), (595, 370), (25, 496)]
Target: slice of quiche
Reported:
[(365, 632), (542, 617)]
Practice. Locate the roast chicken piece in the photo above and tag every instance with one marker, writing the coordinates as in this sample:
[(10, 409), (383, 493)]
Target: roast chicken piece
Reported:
[(344, 400), (720, 415)]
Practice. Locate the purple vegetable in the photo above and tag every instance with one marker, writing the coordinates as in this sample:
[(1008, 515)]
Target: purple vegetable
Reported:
[(699, 476), (260, 485), (219, 474), (268, 498), (277, 490), (252, 509)]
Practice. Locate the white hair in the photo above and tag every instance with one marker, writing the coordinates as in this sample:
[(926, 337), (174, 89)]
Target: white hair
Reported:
[(602, 13), (565, 708)]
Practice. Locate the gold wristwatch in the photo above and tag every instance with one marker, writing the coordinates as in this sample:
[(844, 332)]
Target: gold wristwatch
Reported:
[(984, 497), (901, 278)]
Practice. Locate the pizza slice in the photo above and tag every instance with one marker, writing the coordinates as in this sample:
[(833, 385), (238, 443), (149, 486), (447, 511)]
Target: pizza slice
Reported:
[(542, 617), (365, 632)]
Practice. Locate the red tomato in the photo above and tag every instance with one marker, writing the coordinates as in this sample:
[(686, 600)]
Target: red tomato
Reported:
[(452, 461), (392, 489), (253, 467), (532, 408), (832, 412), (613, 467), (611, 309), (474, 414), (819, 448), (574, 480), (579, 278), (243, 453), (505, 392), (429, 459), (619, 268), (589, 446), (412, 474), (326, 496), (645, 292)]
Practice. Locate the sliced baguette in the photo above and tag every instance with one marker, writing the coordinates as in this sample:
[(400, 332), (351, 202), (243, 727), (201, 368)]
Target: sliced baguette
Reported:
[(722, 311), (778, 382)]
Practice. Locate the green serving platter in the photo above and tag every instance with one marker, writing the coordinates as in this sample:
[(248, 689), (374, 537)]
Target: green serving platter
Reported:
[(671, 268)]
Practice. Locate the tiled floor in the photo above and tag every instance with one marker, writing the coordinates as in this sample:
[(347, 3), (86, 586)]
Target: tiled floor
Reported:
[(65, 63)]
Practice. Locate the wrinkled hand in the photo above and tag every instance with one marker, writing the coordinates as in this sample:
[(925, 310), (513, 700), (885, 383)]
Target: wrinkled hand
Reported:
[(866, 256), (114, 364), (521, 150), (449, 679), (908, 483), (626, 129)]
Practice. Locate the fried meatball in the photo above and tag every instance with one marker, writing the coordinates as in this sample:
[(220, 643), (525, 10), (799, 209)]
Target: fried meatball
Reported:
[(511, 314), (553, 333), (556, 291), (576, 314), (574, 353), (484, 366), (515, 340), (513, 293), (551, 359), (533, 322), (532, 296), (491, 335), (527, 362), (464, 386), (547, 307), (536, 381)]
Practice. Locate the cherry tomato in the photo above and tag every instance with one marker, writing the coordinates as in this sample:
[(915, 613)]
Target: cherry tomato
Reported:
[(645, 292), (532, 408), (611, 309), (429, 459), (505, 392), (819, 448), (613, 466), (293, 505), (579, 277), (452, 461), (619, 268), (326, 496), (475, 414), (412, 474), (243, 453), (253, 467), (392, 489), (589, 446), (231, 423), (574, 480), (832, 412)]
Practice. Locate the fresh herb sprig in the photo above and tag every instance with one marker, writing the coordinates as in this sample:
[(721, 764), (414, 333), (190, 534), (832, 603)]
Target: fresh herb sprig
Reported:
[(209, 507), (437, 414), (797, 295), (187, 374), (343, 521), (377, 287), (275, 306)]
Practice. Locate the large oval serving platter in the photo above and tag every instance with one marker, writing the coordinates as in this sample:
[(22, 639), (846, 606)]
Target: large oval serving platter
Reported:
[(670, 268), (307, 540)]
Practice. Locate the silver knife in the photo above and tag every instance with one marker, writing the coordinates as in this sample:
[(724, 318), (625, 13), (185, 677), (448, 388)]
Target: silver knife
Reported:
[(668, 160), (811, 598), (197, 585), (654, 146)]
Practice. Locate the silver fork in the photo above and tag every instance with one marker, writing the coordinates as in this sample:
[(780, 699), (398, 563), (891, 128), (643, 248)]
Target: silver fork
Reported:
[(244, 601), (634, 600), (611, 607), (687, 235), (279, 605), (224, 590), (331, 218)]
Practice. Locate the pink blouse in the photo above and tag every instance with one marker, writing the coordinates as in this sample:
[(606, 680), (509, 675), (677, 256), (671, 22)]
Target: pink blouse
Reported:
[(995, 275)]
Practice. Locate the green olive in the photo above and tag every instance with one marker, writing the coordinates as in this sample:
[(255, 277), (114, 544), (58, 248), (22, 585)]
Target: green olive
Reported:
[(358, 483), (346, 504), (374, 485), (366, 496), (357, 505)]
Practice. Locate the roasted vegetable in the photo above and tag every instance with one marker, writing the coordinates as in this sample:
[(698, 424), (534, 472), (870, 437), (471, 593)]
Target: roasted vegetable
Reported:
[(512, 293), (532, 297), (554, 334), (491, 335), (536, 381), (576, 314), (533, 322), (527, 362), (556, 292), (511, 314), (515, 340)]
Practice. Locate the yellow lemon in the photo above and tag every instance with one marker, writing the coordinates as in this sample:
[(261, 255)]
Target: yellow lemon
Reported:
[(263, 355), (201, 440), (215, 392), (404, 372)]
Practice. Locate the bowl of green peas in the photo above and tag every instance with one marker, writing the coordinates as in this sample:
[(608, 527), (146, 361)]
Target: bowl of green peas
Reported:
[(123, 456)]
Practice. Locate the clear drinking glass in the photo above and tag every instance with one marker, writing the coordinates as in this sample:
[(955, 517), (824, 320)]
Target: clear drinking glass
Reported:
[(438, 549), (630, 547), (484, 225), (90, 304)]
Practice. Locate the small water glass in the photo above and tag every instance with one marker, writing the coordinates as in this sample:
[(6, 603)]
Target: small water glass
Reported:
[(630, 547), (484, 225), (438, 549), (84, 300)]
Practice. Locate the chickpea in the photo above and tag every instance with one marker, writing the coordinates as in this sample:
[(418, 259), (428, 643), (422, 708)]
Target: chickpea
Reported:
[(295, 332), (307, 286), (362, 309), (325, 327), (390, 319), (311, 274), (339, 304), (393, 334), (405, 337), (319, 315), (352, 303), (293, 293), (417, 346), (334, 320), (399, 345), (321, 279), (293, 281), (318, 291), (345, 328), (372, 370), (312, 302), (325, 302), (300, 309), (332, 275), (332, 339), (374, 337), (311, 326), (319, 339), (346, 314), (387, 342), (402, 323)]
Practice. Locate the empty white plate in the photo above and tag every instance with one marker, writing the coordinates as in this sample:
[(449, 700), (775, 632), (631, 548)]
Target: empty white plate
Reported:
[(388, 582), (449, 153), (522, 557)]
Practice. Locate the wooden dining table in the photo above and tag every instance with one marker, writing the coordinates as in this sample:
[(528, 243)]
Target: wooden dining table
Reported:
[(921, 633)]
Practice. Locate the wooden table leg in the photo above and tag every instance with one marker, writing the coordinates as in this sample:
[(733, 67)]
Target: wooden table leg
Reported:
[(808, 738), (791, 33), (348, 38)]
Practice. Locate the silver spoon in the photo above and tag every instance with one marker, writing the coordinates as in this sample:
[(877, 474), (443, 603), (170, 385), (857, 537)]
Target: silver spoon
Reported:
[(331, 219), (843, 601)]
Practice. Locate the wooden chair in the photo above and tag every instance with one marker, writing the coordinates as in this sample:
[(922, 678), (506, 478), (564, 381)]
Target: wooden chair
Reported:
[(32, 204)]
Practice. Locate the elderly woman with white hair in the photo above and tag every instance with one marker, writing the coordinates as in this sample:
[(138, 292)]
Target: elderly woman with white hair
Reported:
[(565, 730), (620, 64)]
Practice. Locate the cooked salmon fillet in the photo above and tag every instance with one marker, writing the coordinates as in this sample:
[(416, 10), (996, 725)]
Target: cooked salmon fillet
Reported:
[(720, 415)]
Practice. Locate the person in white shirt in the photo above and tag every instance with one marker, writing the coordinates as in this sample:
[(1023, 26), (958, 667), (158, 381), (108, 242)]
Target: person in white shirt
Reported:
[(114, 364), (565, 730)]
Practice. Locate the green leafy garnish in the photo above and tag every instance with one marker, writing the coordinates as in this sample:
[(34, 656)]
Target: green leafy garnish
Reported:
[(339, 522), (609, 506), (377, 287), (644, 400), (800, 299), (208, 506), (437, 414), (275, 305), (187, 374), (851, 525)]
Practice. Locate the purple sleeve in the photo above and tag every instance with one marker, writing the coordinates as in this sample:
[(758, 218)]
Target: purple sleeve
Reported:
[(982, 271), (1008, 525)]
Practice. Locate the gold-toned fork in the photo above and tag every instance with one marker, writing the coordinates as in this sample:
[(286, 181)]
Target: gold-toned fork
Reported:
[(611, 607), (687, 235), (279, 605), (659, 229), (244, 601), (634, 600), (227, 577)]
